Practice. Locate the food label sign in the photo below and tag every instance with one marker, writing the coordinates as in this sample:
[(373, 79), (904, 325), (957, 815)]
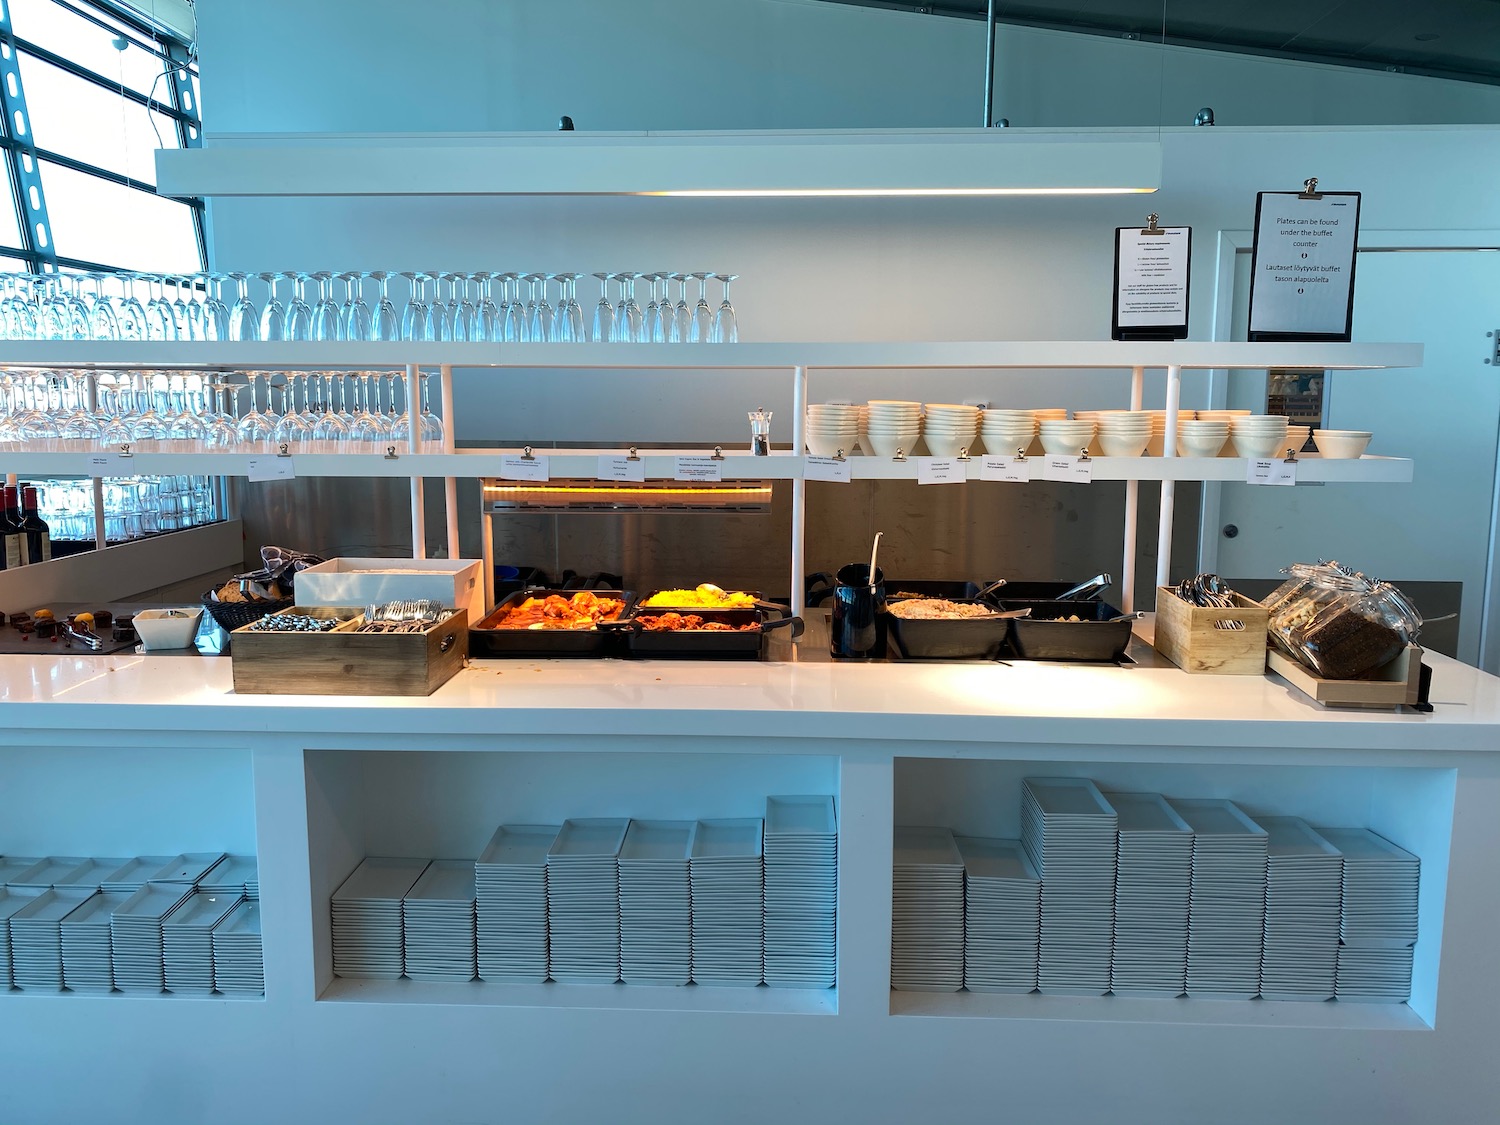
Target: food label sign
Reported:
[(699, 470), (1012, 470)]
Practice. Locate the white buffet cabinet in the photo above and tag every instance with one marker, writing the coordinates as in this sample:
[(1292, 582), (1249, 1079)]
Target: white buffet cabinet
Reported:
[(132, 754)]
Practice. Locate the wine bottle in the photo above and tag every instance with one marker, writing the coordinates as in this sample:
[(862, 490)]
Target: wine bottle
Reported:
[(12, 537), (38, 535)]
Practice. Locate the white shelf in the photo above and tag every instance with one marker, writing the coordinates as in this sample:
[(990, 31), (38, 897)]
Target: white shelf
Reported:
[(1066, 354), (659, 464), (1142, 1010), (595, 997)]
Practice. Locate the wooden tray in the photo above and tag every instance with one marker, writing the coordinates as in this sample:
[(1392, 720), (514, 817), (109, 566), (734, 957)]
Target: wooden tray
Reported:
[(1397, 684), (343, 662), (1185, 635)]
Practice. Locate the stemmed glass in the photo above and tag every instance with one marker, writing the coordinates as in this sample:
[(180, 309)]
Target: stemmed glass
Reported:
[(291, 428), (183, 423), (331, 429), (215, 312), (703, 316), (726, 330), (103, 324), (244, 323), (299, 314), (604, 313), (367, 428), (570, 327), (489, 324), (513, 327), (147, 423), (432, 425), (187, 312), (220, 430), (255, 428), (459, 309), (273, 316), (682, 315), (631, 321), (357, 317), (653, 307), (414, 317), (326, 323), (438, 326), (539, 311), (77, 424), (385, 325), (160, 323)]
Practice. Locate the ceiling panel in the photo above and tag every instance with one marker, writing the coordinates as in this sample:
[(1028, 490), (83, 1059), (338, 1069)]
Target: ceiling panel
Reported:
[(1452, 38)]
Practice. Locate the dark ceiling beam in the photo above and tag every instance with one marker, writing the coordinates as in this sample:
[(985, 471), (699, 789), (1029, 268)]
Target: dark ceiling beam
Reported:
[(1153, 35)]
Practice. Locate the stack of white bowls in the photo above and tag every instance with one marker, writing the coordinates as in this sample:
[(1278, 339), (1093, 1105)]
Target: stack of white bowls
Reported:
[(831, 426), (1201, 438), (1005, 431), (1227, 416), (1157, 446), (1065, 437), (949, 428), (1120, 433), (893, 425), (1344, 444), (1046, 414), (1259, 435)]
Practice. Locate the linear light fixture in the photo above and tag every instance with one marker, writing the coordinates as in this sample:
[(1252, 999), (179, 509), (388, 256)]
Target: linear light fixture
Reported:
[(595, 497), (813, 164)]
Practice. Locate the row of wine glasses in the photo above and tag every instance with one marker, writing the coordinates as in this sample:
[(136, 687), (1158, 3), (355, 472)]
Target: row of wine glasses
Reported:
[(133, 506), (323, 305), (303, 411)]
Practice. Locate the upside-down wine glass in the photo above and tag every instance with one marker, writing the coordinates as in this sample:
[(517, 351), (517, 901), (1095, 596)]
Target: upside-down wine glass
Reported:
[(726, 329), (244, 322)]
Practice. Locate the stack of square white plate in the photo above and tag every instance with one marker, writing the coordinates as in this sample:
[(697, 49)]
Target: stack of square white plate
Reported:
[(36, 938), (49, 872), (135, 936), (1153, 876), (1068, 831), (437, 918), (927, 911), (655, 903), (189, 867), (85, 943), (510, 893), (802, 892), (1378, 917), (12, 867), (1002, 915), (233, 875), (239, 967), (187, 941), (1227, 903), (11, 901), (726, 875), (1304, 873), (133, 874), (583, 901), (366, 913)]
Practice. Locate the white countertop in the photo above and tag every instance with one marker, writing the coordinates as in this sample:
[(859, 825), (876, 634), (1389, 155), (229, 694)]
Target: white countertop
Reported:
[(1147, 704)]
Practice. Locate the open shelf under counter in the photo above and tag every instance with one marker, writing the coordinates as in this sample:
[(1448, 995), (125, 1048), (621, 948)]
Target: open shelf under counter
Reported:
[(590, 997), (1330, 1015), (659, 464), (1102, 355)]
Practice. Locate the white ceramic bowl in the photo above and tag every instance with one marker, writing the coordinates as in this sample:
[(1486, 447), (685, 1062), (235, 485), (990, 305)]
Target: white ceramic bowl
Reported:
[(885, 445), (168, 628), (1258, 445), (1200, 445), (1122, 445), (1341, 444), (946, 446), (820, 446)]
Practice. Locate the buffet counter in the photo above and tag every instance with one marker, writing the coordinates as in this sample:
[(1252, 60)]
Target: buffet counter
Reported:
[(127, 755)]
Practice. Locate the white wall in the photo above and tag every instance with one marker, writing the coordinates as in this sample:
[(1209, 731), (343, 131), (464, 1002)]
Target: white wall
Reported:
[(498, 65)]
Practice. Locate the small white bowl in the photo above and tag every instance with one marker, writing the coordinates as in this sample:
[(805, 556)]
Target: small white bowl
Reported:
[(168, 628), (1258, 445), (885, 445), (1341, 444), (1200, 445), (1122, 445)]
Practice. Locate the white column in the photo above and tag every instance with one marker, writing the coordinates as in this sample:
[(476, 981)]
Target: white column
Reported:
[(414, 446), (1132, 506), (799, 493), (1168, 487), (450, 484), (487, 530), (101, 536)]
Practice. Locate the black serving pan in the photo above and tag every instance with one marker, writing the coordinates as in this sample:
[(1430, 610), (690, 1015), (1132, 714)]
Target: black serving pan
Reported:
[(542, 644), (1100, 637), (970, 638), (820, 587), (749, 644)]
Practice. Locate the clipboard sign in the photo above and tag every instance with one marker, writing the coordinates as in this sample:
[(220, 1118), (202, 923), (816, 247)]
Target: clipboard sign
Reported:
[(1152, 270), (1302, 265)]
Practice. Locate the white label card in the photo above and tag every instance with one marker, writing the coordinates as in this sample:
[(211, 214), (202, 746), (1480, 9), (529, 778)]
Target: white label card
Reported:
[(1276, 471), (1012, 470), (941, 470), (699, 469), (107, 465), (270, 468), (519, 468), (1070, 470), (826, 469), (621, 469)]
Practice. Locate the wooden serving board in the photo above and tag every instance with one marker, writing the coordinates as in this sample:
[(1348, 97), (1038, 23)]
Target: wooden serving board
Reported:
[(345, 662), (1397, 684)]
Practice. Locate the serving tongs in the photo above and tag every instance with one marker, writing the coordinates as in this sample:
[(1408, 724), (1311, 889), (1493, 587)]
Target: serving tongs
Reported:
[(87, 638), (1087, 591)]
